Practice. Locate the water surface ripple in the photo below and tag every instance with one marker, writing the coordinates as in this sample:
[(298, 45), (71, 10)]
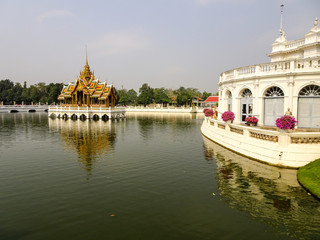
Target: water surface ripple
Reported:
[(150, 176)]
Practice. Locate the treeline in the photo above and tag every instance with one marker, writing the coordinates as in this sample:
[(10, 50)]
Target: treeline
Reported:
[(15, 93), (148, 95), (11, 93)]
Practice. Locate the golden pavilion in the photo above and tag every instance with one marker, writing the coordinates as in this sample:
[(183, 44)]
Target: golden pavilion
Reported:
[(87, 91)]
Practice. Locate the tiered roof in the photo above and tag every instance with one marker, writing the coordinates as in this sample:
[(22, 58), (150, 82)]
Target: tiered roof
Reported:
[(86, 82)]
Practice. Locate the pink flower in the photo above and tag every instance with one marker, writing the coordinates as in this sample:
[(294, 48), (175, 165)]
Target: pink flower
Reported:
[(227, 116), (251, 120), (208, 112), (286, 122)]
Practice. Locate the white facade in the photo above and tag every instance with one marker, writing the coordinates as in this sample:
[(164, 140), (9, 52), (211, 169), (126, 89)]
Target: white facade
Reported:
[(290, 80)]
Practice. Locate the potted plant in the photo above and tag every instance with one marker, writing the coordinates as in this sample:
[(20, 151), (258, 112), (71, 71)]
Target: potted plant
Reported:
[(286, 123), (251, 120), (208, 112), (228, 116)]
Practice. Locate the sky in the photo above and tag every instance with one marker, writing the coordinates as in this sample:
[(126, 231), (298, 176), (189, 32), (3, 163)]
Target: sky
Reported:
[(164, 43)]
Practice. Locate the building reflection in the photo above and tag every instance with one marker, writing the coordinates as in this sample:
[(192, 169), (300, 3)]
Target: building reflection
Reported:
[(89, 139), (266, 193)]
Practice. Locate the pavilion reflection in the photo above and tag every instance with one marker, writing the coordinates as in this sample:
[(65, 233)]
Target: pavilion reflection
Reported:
[(266, 193), (90, 139)]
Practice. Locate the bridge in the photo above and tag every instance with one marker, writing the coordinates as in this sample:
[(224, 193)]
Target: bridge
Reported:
[(86, 112), (23, 108)]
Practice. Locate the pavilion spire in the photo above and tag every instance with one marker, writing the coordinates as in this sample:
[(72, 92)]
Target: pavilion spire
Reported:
[(86, 56)]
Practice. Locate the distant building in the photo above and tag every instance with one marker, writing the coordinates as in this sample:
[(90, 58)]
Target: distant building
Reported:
[(197, 101), (212, 100), (87, 91)]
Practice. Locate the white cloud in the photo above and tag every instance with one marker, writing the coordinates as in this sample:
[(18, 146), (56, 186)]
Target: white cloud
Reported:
[(54, 14), (120, 42)]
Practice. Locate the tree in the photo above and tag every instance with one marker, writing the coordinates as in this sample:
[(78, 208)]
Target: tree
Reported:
[(194, 92), (132, 96), (146, 95), (184, 96), (122, 96), (160, 96), (25, 94), (205, 95), (53, 90), (17, 93), (6, 93), (34, 94)]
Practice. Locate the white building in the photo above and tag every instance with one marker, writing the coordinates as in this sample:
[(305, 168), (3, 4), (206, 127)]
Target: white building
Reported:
[(290, 80)]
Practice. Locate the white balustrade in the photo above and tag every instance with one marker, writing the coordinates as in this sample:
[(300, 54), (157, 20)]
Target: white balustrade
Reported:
[(280, 67)]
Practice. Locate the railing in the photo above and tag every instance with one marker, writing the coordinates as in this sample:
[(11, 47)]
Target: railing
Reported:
[(170, 107), (280, 67), (296, 43), (271, 136), (84, 109), (247, 70), (165, 109), (24, 106)]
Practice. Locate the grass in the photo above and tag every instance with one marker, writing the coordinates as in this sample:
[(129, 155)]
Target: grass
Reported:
[(309, 177)]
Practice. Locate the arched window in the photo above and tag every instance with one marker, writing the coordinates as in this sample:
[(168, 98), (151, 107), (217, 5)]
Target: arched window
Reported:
[(274, 92), (246, 104), (246, 93), (310, 90), (273, 105), (309, 107)]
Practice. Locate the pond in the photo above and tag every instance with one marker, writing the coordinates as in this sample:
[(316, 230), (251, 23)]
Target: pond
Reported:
[(149, 176)]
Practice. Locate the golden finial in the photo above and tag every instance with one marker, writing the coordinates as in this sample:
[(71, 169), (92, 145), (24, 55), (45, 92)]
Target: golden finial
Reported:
[(86, 56)]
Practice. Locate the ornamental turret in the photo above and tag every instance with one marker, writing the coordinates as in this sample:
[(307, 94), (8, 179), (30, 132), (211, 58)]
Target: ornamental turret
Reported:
[(86, 73)]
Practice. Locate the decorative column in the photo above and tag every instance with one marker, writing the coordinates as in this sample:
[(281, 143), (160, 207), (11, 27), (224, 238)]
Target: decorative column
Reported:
[(255, 110), (290, 97), (236, 108), (221, 101)]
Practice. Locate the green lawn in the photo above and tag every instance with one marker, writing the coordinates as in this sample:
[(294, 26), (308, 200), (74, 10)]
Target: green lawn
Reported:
[(309, 177)]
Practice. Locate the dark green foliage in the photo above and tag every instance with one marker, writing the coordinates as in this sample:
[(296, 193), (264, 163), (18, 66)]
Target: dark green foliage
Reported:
[(132, 96), (160, 96), (184, 96), (13, 92), (146, 95), (125, 97), (122, 97), (205, 95)]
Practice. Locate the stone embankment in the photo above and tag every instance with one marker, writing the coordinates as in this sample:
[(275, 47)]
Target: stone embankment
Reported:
[(23, 108), (165, 109)]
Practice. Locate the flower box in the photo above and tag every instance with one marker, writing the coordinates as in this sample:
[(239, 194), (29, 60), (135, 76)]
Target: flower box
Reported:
[(252, 120), (286, 122), (228, 116)]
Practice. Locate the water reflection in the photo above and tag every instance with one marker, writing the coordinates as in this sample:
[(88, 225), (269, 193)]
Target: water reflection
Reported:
[(90, 139), (267, 193), (13, 125), (148, 121)]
